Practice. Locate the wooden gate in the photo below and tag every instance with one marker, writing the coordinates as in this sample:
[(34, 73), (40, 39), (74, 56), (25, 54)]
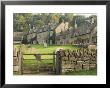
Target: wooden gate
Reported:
[(38, 65)]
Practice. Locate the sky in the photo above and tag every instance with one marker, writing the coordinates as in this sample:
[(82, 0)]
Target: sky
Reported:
[(84, 14)]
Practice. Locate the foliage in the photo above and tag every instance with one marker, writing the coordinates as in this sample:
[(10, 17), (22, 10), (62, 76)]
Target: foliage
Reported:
[(26, 21), (78, 19), (21, 21)]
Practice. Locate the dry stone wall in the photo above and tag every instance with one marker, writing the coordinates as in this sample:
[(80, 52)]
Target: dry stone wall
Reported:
[(83, 59)]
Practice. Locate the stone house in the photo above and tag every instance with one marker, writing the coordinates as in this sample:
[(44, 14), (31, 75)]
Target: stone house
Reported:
[(83, 35), (17, 37), (40, 36), (61, 34), (32, 38)]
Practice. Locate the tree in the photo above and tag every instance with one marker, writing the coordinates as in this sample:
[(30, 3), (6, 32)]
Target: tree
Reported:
[(21, 21), (39, 23), (61, 19), (68, 17), (78, 19)]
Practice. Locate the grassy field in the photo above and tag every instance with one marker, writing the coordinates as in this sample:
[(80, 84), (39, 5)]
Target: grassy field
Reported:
[(49, 49), (40, 49), (31, 62)]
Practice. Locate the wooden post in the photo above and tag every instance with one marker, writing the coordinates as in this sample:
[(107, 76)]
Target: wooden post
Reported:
[(58, 63), (54, 61), (20, 57)]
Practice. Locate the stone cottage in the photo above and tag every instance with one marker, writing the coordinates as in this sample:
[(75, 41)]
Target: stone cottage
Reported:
[(61, 34), (17, 37), (85, 34)]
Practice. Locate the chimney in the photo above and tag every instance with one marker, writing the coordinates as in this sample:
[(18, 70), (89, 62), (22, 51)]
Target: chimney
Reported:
[(92, 20), (66, 26), (75, 25)]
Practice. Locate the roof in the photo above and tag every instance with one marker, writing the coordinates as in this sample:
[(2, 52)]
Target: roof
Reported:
[(85, 28)]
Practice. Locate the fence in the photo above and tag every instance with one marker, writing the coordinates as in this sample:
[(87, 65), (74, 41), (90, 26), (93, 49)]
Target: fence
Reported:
[(30, 65), (61, 62)]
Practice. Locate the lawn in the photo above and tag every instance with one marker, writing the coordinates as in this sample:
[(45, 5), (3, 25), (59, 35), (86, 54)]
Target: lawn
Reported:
[(40, 49), (83, 72)]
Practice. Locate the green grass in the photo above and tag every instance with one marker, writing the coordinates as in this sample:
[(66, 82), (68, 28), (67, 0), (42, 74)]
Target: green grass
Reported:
[(31, 62), (83, 72), (42, 50), (26, 61), (50, 49)]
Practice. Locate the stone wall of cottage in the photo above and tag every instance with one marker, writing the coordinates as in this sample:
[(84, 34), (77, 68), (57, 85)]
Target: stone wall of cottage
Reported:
[(42, 37)]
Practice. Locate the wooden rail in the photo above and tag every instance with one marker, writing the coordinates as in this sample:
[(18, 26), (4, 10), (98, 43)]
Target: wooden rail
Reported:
[(41, 54), (35, 59)]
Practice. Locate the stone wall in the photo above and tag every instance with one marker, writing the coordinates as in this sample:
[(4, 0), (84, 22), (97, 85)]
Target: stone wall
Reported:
[(83, 59), (42, 37), (17, 37), (17, 61)]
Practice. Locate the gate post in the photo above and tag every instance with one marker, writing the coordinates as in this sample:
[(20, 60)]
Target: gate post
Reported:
[(20, 57), (54, 61), (58, 63)]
